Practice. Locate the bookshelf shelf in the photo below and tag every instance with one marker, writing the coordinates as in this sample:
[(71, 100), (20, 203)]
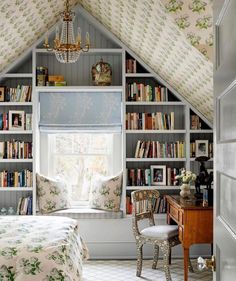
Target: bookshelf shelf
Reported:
[(16, 160), (16, 189), (139, 75), (16, 103), (159, 187), (155, 159), (155, 131), (80, 88), (18, 75), (201, 131), (25, 132), (161, 216), (167, 103)]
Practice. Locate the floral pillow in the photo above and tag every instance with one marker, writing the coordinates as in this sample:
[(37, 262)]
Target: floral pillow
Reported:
[(105, 193), (52, 194)]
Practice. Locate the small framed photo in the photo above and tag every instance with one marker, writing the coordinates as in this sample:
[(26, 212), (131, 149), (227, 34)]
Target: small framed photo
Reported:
[(2, 93), (16, 120), (201, 148), (158, 175)]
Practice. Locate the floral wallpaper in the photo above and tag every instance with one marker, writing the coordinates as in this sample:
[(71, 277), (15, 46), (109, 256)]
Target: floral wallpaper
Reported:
[(145, 26), (195, 19)]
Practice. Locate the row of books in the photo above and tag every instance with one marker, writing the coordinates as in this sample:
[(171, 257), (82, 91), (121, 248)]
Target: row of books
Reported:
[(13, 149), (15, 120), (25, 206), (155, 149), (131, 66), (22, 178), (141, 92), (158, 206), (149, 121), (144, 177), (208, 150), (22, 93)]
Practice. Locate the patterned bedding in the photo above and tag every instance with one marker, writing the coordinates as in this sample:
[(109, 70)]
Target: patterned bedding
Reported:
[(40, 248)]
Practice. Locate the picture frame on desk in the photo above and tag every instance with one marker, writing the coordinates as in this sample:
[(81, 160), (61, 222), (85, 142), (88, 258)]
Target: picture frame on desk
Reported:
[(158, 175), (201, 148), (16, 120), (2, 94)]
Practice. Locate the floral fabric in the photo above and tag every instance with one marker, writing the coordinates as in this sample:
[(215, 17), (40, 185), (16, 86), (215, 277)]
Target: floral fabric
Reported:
[(106, 193), (52, 194), (40, 249)]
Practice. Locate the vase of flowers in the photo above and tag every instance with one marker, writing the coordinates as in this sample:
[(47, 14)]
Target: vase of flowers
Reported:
[(185, 178)]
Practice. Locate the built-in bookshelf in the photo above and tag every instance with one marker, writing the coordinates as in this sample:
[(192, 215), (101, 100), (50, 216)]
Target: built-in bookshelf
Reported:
[(17, 183), (161, 133)]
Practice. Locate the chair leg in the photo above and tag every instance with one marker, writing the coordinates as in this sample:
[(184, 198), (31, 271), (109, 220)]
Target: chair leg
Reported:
[(165, 247), (170, 256), (190, 266), (156, 256), (139, 260)]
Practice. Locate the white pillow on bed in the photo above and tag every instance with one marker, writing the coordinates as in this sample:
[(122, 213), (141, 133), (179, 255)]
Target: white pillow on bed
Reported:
[(105, 193), (52, 194)]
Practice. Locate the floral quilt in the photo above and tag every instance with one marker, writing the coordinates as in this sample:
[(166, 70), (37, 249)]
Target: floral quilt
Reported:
[(40, 248)]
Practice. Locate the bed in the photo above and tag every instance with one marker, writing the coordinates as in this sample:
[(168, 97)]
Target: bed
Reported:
[(40, 248)]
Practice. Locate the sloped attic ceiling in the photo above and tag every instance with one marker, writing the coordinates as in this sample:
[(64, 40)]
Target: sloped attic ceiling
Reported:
[(144, 26)]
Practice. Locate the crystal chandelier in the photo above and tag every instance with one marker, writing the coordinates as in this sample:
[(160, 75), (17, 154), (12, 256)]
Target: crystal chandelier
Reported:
[(66, 48)]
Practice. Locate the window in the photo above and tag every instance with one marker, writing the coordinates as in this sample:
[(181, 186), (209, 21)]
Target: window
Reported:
[(77, 157)]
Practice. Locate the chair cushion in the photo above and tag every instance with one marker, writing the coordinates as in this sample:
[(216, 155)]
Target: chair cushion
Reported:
[(160, 231)]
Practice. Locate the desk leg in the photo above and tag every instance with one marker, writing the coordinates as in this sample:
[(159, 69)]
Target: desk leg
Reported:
[(186, 257)]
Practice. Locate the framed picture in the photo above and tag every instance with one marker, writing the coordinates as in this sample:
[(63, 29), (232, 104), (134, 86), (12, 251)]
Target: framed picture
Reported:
[(16, 120), (158, 175), (201, 148), (2, 93)]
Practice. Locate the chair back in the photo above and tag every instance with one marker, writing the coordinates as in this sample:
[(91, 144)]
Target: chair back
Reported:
[(143, 207)]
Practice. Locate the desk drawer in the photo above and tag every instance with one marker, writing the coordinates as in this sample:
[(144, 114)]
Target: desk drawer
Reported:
[(174, 213)]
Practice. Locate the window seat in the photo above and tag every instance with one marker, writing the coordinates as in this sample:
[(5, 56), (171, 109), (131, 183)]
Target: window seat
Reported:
[(87, 213)]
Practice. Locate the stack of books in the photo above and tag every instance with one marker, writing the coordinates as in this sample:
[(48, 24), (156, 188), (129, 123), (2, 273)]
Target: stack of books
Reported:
[(24, 206)]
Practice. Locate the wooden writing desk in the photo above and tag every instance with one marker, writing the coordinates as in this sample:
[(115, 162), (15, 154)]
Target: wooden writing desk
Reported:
[(195, 223)]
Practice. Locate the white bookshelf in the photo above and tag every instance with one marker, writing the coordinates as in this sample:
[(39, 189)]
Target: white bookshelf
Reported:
[(22, 74), (181, 131)]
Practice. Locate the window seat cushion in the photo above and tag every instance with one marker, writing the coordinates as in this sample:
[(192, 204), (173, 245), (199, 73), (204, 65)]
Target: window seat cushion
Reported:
[(87, 213)]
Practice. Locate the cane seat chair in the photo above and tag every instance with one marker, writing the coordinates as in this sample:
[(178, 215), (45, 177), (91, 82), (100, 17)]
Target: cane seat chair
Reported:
[(161, 236)]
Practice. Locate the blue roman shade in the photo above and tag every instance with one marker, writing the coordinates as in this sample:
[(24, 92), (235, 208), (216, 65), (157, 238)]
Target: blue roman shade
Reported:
[(80, 110)]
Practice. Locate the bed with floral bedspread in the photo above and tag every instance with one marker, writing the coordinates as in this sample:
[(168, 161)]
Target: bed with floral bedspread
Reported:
[(40, 248)]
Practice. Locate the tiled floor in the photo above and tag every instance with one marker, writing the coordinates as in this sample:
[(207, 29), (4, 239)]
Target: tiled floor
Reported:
[(125, 270)]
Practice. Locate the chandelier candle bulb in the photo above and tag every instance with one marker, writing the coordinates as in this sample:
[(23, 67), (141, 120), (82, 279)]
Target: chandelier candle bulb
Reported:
[(79, 36), (57, 33)]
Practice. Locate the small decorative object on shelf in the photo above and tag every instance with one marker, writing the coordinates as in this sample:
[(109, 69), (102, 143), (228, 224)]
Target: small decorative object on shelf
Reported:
[(2, 93), (158, 175), (3, 212), (41, 75), (186, 177), (101, 73), (16, 120)]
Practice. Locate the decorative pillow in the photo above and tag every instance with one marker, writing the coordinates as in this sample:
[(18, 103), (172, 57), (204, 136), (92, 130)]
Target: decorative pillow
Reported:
[(52, 194), (106, 192)]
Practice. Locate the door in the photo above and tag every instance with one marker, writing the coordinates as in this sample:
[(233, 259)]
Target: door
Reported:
[(225, 140)]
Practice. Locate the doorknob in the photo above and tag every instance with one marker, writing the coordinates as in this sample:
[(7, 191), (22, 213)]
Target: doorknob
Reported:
[(206, 263)]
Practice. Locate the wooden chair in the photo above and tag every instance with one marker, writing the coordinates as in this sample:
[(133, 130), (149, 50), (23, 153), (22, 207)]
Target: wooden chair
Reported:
[(161, 236)]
